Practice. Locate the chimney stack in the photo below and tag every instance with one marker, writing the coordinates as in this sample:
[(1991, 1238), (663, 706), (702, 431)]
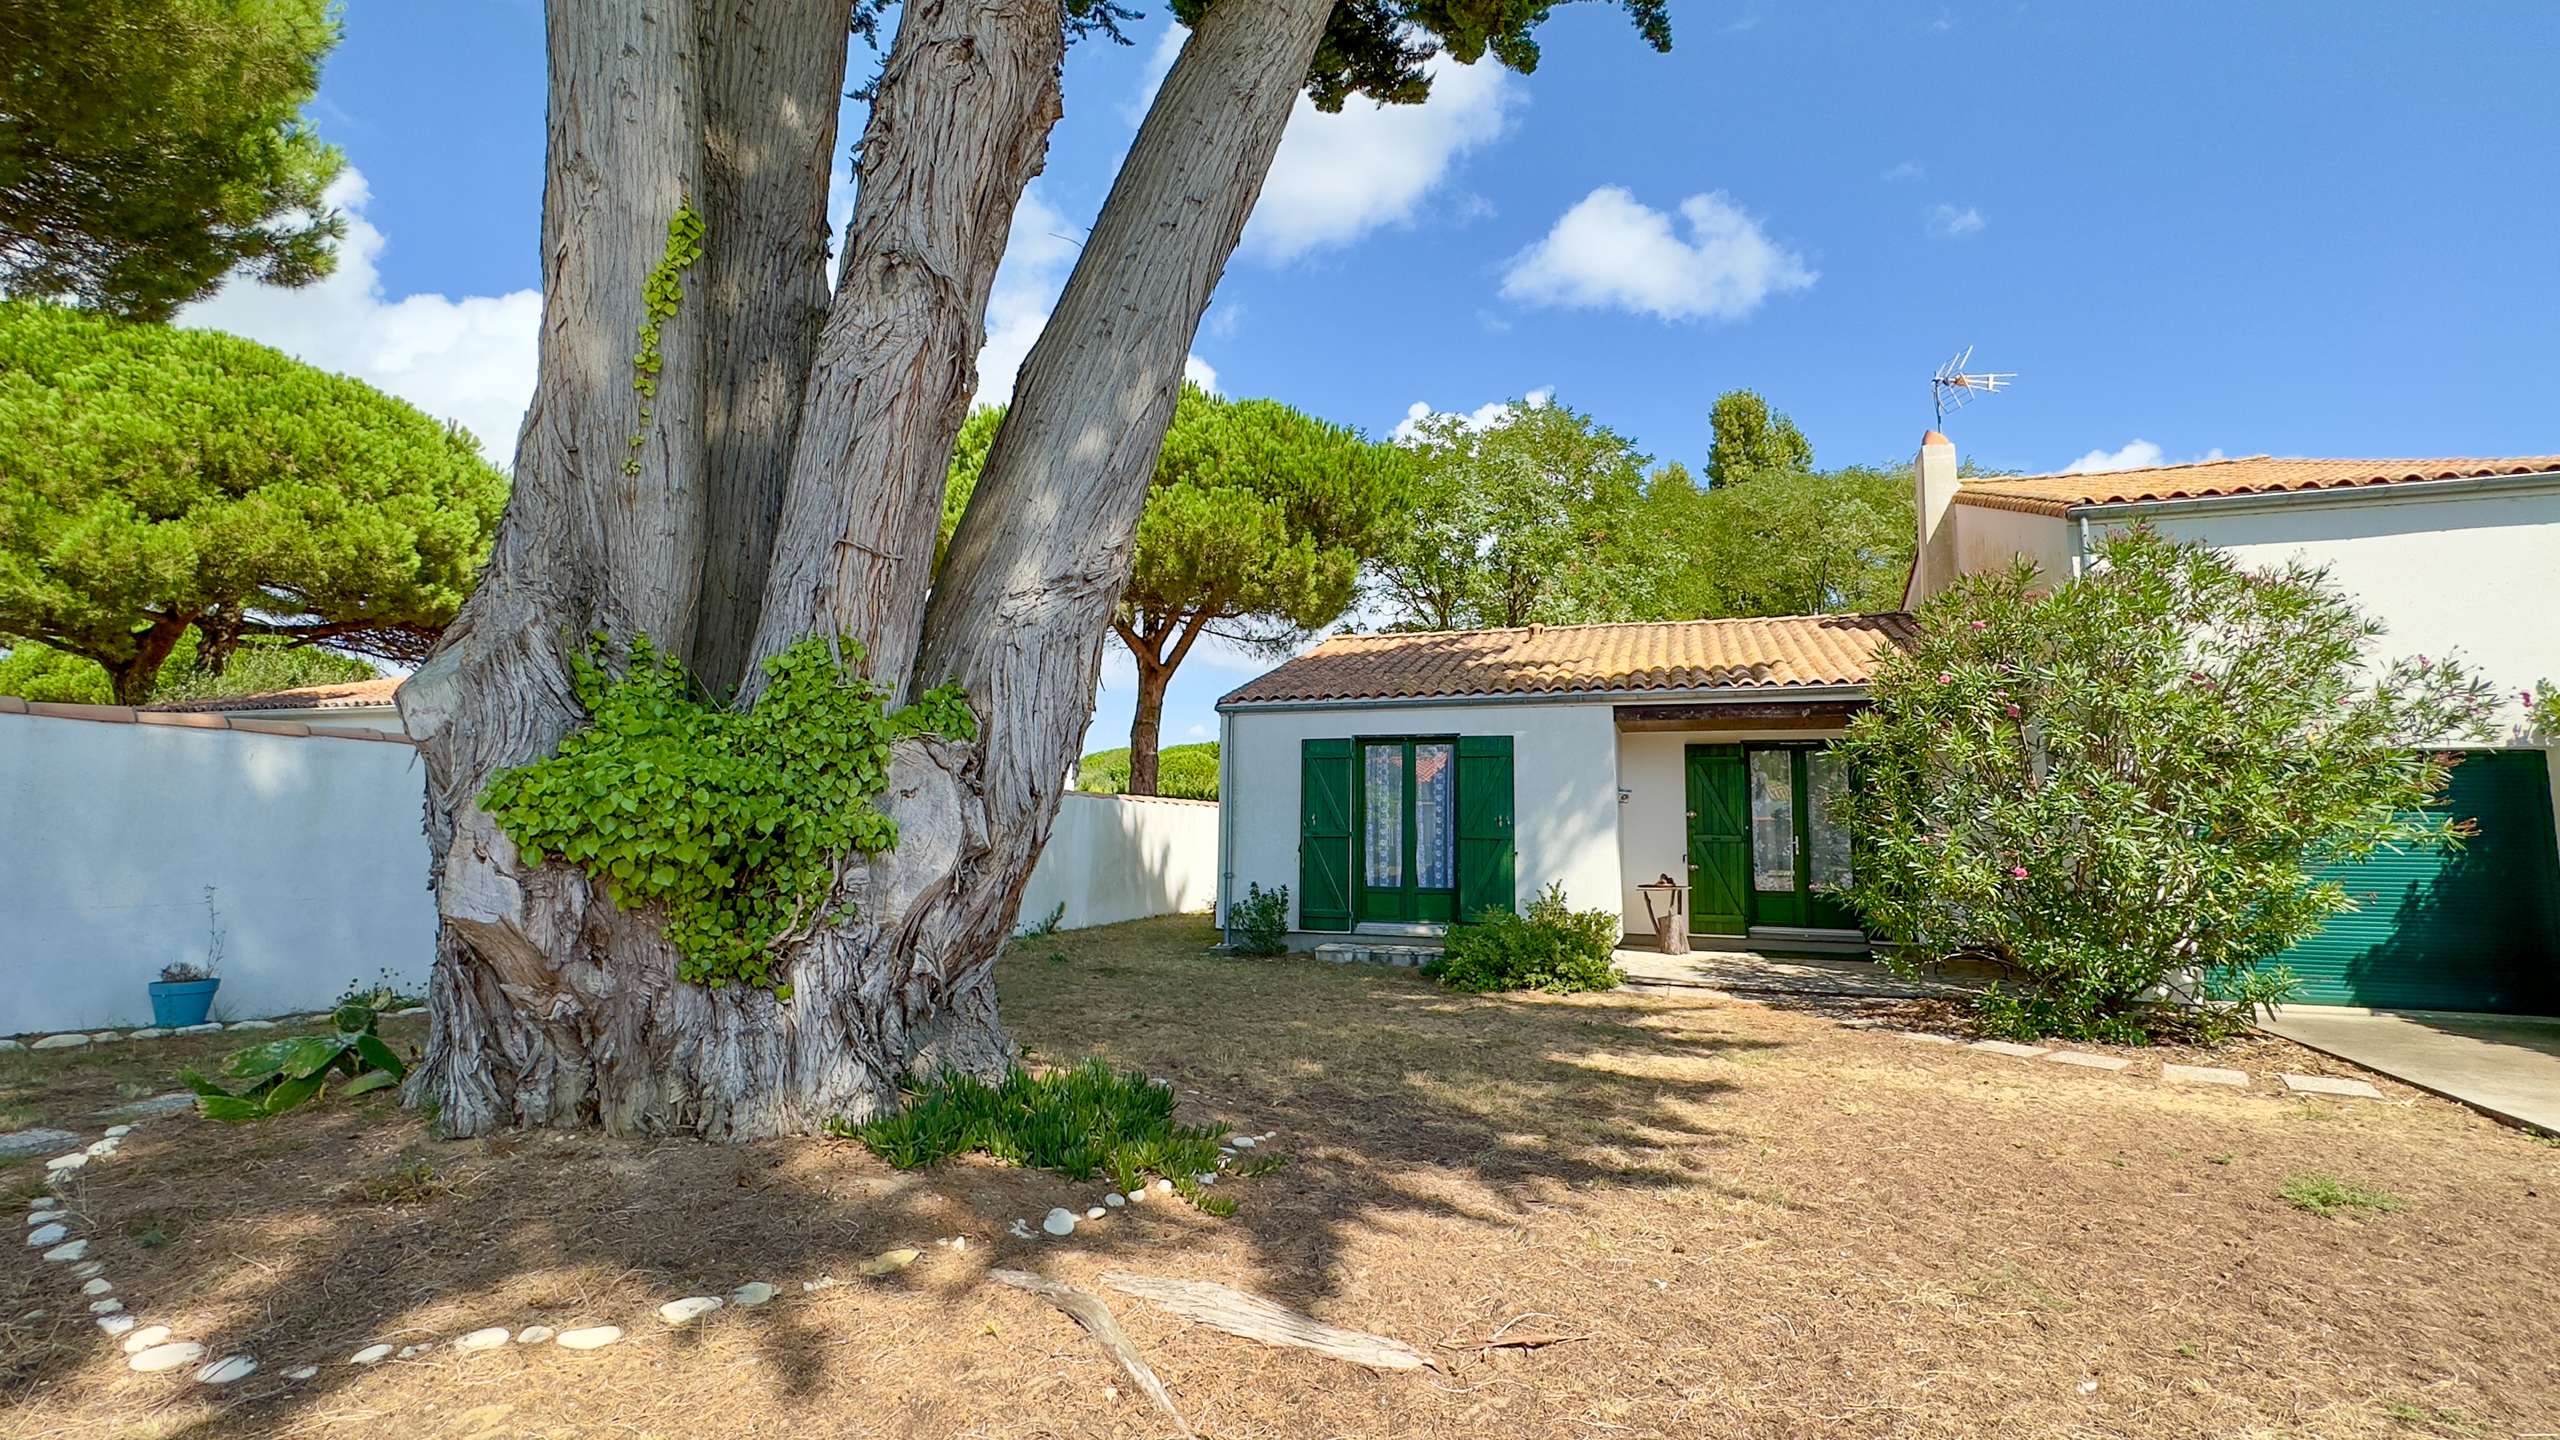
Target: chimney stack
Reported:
[(1933, 561)]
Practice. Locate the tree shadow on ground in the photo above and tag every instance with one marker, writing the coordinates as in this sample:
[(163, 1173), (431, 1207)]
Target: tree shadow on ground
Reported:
[(1395, 1104)]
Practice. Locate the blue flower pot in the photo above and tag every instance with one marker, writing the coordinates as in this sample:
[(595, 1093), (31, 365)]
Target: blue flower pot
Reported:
[(181, 1002)]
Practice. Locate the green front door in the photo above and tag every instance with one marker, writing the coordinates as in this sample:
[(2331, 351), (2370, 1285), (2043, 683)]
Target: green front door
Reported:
[(1719, 841), (1765, 846), (1408, 831), (2442, 928)]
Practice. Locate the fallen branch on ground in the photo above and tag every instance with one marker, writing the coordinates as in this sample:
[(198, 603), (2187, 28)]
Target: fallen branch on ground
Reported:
[(1255, 1318), (1086, 1309)]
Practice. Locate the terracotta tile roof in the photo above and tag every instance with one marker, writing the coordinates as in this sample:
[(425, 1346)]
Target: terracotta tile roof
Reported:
[(2251, 475), (349, 695), (1762, 652)]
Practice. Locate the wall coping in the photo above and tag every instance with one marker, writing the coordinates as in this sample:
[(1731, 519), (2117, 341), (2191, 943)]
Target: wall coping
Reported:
[(1074, 794), (193, 720)]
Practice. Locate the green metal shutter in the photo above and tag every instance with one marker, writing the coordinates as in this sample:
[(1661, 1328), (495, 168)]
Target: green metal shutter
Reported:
[(2474, 928), (1488, 860), (1324, 834), (1719, 823)]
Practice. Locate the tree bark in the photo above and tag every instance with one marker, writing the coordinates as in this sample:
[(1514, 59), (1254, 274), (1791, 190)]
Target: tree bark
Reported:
[(131, 679), (959, 124), (774, 73), (1155, 672), (585, 546), (1019, 614), (551, 1005)]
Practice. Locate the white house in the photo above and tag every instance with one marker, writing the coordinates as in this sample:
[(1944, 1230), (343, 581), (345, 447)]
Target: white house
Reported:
[(1396, 781)]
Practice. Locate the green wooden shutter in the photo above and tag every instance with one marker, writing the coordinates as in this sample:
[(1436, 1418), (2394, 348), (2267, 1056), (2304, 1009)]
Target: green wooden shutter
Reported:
[(1324, 834), (1488, 860), (1719, 840)]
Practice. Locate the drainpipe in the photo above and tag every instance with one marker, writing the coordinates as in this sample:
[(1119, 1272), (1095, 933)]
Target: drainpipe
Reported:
[(2080, 548), (1226, 823)]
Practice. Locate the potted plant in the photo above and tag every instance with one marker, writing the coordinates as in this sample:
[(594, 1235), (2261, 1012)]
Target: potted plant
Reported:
[(183, 995)]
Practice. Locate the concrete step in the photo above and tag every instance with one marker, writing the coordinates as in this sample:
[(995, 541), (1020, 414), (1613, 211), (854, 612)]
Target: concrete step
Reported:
[(1361, 952)]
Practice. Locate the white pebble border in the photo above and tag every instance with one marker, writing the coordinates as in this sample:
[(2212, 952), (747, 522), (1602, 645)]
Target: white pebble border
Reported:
[(73, 1039), (152, 1349)]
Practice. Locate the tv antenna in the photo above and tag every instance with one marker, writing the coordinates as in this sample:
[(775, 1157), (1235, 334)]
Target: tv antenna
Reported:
[(1953, 387)]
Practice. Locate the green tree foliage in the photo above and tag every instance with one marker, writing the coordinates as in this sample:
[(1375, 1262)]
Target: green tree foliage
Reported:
[(150, 147), (1188, 772), (1377, 47), (1794, 543), (257, 665), (1548, 517), (1751, 441), (154, 481), (1531, 520), (2132, 781), (1254, 529)]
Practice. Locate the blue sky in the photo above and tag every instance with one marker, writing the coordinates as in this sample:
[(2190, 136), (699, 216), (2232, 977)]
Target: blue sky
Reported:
[(2316, 229)]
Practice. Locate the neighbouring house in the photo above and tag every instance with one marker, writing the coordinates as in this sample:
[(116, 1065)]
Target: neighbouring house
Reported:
[(354, 702), (1397, 782)]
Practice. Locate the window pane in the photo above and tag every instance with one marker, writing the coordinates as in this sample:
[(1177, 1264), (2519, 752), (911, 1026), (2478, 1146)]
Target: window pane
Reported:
[(1382, 836), (1826, 784), (1773, 820), (1435, 820)]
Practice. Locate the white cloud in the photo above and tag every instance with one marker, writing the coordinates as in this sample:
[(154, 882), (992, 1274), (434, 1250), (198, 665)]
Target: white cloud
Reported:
[(471, 360), (1199, 372), (1160, 60), (1338, 177), (2133, 455), (1948, 221), (1907, 170), (1611, 251), (1484, 417)]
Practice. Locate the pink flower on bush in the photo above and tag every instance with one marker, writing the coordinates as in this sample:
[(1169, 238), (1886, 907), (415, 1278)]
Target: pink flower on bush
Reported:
[(2017, 872), (2013, 712), (1946, 677), (1981, 624)]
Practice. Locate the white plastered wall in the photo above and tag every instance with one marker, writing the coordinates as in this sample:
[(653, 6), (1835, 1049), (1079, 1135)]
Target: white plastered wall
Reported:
[(1564, 789), (1653, 822)]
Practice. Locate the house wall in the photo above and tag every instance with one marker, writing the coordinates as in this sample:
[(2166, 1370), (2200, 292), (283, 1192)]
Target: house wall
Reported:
[(2471, 575), (1988, 539), (1653, 819), (1564, 789), (109, 833)]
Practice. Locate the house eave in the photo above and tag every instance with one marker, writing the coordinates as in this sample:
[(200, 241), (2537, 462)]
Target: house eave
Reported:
[(2402, 492), (1701, 695)]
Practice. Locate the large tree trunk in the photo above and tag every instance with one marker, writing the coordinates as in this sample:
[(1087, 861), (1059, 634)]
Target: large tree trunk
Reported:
[(551, 1005), (1020, 612), (774, 73), (1145, 637), (959, 125)]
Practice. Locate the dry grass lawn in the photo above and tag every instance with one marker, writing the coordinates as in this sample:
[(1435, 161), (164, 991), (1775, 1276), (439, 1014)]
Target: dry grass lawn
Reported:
[(1753, 1220)]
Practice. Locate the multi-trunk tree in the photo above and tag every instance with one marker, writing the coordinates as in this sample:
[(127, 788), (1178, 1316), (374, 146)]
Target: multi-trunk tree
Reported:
[(766, 477), (157, 483), (1255, 527)]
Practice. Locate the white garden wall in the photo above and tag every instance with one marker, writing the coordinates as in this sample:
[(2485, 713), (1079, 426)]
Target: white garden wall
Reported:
[(109, 833)]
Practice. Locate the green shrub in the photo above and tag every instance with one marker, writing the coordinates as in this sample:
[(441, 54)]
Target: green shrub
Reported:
[(294, 1071), (1084, 1122), (2122, 790), (1554, 948), (1187, 772), (1259, 923)]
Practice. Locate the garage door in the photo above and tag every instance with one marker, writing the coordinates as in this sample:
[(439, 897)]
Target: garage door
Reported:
[(2476, 928)]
